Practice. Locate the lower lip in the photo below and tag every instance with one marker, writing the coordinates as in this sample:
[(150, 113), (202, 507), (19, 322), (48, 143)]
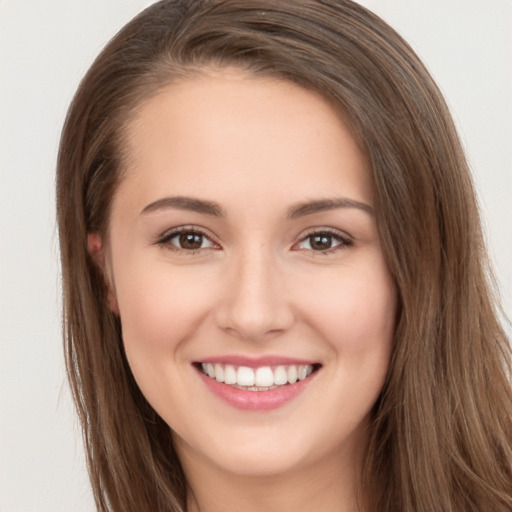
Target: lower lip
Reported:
[(256, 400)]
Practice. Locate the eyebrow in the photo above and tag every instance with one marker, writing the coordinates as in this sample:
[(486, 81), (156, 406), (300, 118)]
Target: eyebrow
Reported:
[(322, 205), (185, 203), (211, 208)]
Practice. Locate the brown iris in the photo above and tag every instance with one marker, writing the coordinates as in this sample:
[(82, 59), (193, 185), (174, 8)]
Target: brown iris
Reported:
[(190, 241), (321, 241)]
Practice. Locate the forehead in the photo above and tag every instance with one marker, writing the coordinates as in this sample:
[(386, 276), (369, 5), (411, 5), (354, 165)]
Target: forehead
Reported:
[(230, 132)]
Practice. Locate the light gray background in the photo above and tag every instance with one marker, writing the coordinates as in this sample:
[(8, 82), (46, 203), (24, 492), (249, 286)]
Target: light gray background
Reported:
[(45, 47)]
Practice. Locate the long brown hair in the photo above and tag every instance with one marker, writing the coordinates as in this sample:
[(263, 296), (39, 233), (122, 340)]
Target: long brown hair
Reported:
[(441, 435)]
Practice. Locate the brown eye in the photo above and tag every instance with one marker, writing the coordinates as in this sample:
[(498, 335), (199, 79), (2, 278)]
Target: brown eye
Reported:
[(190, 241), (187, 241), (321, 242), (324, 241)]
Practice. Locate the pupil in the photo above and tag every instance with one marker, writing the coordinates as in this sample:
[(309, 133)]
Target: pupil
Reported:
[(321, 242), (191, 241)]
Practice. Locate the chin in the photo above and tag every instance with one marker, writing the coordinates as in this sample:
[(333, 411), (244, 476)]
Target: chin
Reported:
[(255, 463)]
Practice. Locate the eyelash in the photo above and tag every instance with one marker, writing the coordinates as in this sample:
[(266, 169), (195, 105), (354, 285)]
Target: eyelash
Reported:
[(165, 241), (343, 240)]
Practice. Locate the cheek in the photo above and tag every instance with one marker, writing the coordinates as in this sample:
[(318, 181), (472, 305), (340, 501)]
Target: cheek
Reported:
[(352, 312), (160, 310), (159, 306), (355, 308)]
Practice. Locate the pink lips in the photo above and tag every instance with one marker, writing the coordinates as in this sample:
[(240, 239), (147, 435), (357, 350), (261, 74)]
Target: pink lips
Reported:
[(256, 400)]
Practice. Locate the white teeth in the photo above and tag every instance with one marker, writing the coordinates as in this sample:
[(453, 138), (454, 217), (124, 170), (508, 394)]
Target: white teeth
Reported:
[(262, 377), (280, 376), (219, 373), (245, 376), (302, 372), (229, 374), (292, 374)]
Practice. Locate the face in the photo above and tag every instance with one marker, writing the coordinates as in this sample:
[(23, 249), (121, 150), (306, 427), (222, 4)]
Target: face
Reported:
[(256, 307)]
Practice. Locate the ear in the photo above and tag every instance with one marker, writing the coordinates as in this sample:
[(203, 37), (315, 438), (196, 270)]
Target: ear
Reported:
[(97, 252)]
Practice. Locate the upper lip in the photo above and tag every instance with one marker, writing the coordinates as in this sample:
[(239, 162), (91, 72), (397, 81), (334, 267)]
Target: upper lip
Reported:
[(256, 362)]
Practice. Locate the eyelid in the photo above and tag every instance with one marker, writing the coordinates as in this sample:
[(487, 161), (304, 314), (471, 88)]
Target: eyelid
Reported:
[(345, 239), (164, 239)]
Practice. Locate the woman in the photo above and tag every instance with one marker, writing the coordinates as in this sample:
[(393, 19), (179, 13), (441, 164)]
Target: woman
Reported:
[(276, 293)]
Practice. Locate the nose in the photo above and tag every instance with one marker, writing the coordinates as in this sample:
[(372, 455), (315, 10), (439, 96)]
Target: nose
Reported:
[(254, 305)]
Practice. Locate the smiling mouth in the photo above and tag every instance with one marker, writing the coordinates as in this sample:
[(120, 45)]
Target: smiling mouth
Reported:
[(263, 378)]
